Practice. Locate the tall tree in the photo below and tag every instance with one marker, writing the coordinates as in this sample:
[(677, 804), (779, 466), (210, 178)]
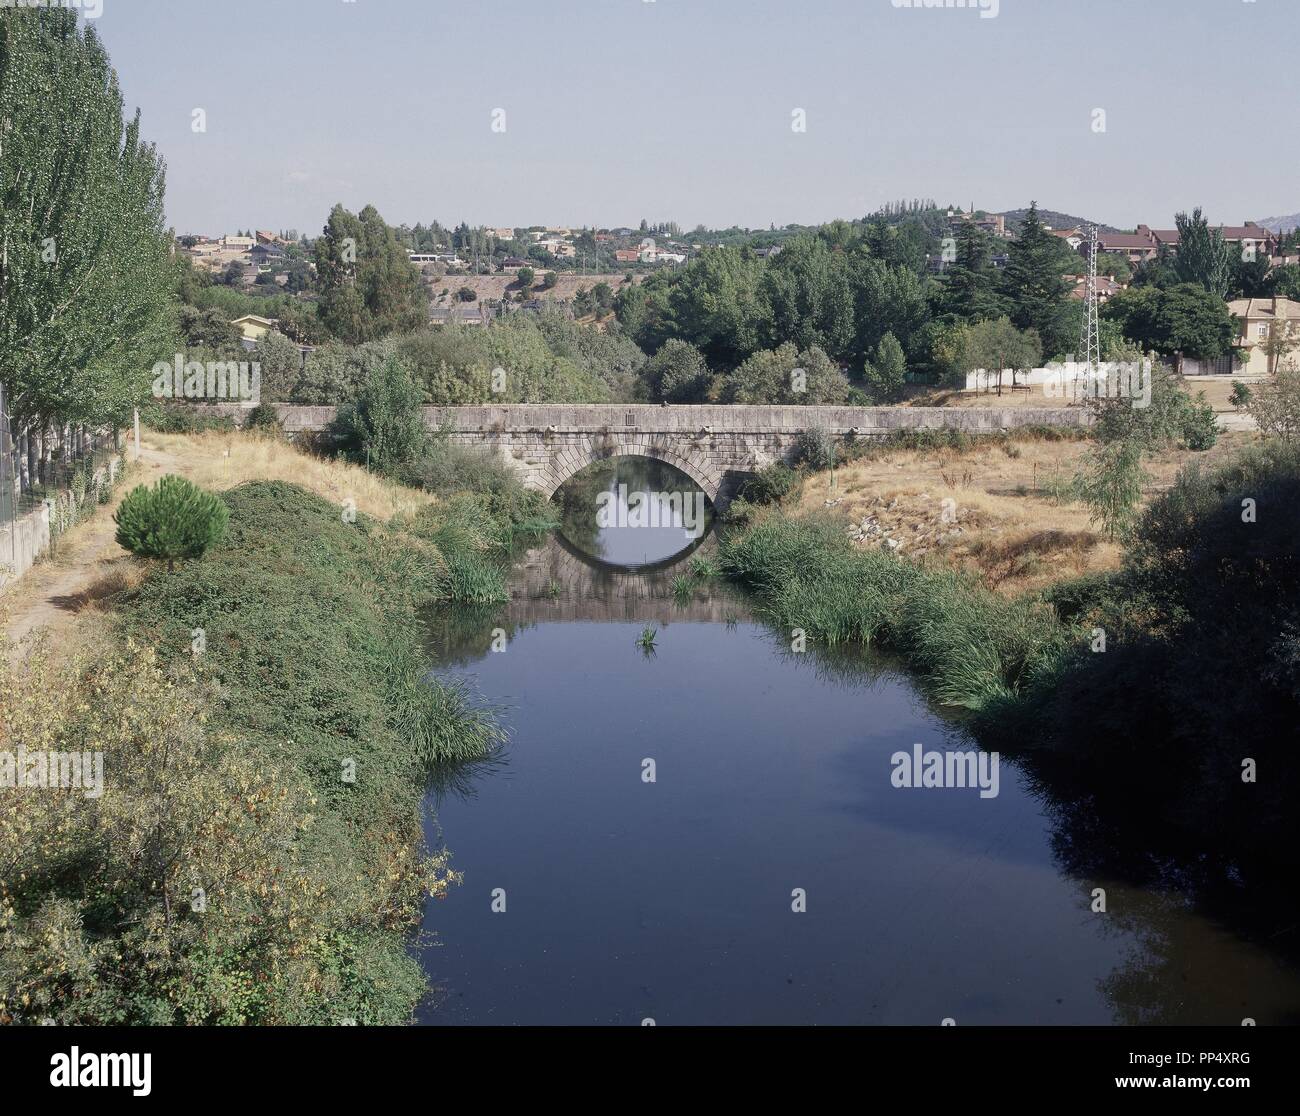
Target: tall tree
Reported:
[(807, 296), (85, 279), (887, 299), (1203, 256), (997, 345), (715, 305), (1034, 282), (970, 292), (887, 374), (1185, 319), (369, 288)]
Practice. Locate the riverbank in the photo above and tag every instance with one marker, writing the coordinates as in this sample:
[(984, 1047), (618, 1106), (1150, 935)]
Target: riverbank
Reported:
[(267, 728), (1014, 519), (1144, 696)]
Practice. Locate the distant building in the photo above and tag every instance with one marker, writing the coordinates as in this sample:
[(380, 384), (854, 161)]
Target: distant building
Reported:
[(263, 252), (433, 257), (502, 233), (627, 255), (1262, 318), (254, 328), (1262, 240), (471, 314), (1134, 247), (1073, 237), (992, 223), (1106, 287), (238, 243)]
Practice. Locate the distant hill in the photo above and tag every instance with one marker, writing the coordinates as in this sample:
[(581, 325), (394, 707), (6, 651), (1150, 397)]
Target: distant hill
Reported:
[(1053, 218), (1281, 224)]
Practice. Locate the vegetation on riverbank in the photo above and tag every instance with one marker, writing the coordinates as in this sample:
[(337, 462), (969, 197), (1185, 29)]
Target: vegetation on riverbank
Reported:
[(268, 728), (1144, 690)]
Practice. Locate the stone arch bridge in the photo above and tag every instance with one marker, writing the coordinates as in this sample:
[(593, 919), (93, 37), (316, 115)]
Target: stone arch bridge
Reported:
[(716, 446)]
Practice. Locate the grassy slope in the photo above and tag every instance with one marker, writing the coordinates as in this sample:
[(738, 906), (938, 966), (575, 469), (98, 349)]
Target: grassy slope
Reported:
[(313, 674)]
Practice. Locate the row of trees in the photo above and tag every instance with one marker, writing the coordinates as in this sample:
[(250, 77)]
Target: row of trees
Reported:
[(859, 295), (86, 282), (845, 288)]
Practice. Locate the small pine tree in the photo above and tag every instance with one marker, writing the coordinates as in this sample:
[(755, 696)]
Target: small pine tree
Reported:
[(174, 519)]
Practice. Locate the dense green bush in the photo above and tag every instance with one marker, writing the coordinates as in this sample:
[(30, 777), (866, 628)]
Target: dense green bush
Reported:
[(385, 427), (1170, 418), (815, 448), (178, 418), (174, 519), (770, 485), (265, 419)]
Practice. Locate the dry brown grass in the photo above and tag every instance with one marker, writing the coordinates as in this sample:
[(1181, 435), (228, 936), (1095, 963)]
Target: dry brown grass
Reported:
[(90, 566), (223, 460), (1008, 518), (112, 577)]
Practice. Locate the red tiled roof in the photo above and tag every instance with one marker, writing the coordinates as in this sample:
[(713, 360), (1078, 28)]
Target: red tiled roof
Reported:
[(1123, 240), (1228, 232)]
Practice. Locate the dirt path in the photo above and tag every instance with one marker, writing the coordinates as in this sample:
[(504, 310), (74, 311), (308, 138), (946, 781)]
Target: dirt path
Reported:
[(51, 593)]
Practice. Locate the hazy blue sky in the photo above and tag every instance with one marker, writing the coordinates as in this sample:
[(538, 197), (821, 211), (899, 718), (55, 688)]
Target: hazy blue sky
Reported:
[(681, 109)]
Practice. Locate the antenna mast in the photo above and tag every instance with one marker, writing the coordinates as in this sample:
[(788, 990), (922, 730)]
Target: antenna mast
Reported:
[(1090, 334)]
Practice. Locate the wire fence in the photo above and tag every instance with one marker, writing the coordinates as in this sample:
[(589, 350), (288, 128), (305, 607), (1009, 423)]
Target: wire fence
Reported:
[(71, 470)]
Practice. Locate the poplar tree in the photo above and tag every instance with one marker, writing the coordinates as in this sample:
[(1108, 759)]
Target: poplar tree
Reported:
[(85, 277), (1203, 255)]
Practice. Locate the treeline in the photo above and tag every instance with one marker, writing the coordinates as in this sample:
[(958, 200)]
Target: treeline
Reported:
[(859, 293)]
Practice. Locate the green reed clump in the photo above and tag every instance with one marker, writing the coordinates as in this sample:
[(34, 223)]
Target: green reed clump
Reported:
[(969, 645)]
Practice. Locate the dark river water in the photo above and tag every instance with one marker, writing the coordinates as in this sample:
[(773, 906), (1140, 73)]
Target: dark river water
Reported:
[(765, 869)]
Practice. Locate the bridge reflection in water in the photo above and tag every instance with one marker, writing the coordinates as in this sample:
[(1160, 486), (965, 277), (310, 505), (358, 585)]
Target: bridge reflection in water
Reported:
[(557, 582)]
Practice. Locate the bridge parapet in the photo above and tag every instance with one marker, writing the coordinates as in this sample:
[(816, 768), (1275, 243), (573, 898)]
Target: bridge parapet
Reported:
[(716, 446)]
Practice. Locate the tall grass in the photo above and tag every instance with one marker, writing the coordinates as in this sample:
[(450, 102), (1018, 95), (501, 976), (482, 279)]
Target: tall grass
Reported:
[(969, 646)]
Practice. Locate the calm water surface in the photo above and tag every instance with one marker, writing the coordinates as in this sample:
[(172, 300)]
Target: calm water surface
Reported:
[(672, 899)]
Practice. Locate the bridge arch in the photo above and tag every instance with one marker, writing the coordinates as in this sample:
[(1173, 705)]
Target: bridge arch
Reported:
[(570, 460)]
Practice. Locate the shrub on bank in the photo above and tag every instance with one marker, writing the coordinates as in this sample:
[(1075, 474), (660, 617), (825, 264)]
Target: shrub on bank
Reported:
[(272, 754), (174, 519)]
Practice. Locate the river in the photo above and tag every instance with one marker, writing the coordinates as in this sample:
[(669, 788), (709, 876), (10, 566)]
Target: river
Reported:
[(707, 831)]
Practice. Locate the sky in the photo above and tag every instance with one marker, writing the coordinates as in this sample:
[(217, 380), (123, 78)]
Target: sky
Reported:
[(684, 110)]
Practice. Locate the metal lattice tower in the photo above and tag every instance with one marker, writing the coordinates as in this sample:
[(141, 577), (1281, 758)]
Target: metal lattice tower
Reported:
[(1090, 334)]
